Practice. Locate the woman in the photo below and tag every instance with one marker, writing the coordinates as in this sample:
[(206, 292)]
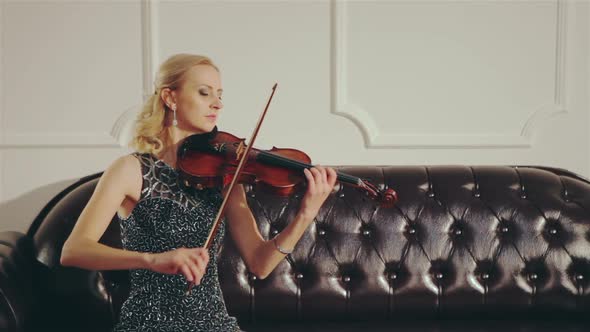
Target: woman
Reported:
[(165, 225)]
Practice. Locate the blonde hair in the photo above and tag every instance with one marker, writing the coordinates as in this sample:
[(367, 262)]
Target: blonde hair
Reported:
[(150, 134)]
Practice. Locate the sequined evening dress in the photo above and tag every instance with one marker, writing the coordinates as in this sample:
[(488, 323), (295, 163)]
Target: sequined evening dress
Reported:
[(169, 216)]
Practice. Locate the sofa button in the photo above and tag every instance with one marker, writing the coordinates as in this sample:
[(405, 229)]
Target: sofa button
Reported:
[(579, 272), (441, 271), (412, 233), (396, 274), (458, 232), (536, 272), (555, 234)]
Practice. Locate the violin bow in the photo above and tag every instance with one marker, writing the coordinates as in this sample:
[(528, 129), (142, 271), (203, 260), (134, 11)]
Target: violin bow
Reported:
[(243, 158)]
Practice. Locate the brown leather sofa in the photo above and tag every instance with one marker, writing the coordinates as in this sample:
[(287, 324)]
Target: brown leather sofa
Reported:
[(481, 248)]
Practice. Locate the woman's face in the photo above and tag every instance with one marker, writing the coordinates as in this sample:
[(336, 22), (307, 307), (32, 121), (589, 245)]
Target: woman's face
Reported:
[(198, 100)]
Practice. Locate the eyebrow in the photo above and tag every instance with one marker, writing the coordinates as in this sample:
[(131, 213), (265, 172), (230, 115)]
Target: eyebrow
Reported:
[(220, 90)]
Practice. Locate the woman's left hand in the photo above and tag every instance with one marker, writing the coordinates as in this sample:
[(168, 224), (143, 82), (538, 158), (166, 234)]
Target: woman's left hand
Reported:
[(320, 182)]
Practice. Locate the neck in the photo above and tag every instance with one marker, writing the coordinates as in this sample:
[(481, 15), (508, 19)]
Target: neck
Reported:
[(172, 139)]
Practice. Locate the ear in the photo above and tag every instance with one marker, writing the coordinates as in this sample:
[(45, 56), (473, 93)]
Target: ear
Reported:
[(168, 96)]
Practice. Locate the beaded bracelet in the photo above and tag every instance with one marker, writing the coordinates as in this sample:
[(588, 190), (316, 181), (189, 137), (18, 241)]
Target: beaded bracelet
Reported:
[(283, 251)]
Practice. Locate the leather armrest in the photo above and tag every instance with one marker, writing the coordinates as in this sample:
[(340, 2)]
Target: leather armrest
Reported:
[(16, 281)]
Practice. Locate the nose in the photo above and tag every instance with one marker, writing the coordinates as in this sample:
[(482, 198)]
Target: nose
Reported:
[(217, 104)]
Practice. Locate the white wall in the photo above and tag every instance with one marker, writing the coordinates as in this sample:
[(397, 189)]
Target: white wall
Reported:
[(360, 83)]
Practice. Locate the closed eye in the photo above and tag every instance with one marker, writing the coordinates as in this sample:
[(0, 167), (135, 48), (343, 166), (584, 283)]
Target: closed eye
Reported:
[(204, 93)]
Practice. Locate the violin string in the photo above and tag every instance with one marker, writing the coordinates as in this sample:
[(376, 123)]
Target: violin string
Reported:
[(282, 161)]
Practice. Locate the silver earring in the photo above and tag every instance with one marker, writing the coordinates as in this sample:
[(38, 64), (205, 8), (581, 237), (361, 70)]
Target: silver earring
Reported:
[(174, 122)]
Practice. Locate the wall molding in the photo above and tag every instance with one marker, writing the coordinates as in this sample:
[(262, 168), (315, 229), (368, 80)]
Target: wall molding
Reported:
[(58, 140), (149, 38), (375, 139), (2, 108)]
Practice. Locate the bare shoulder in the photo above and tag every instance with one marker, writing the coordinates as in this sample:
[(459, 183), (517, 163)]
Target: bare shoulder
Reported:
[(124, 174), (119, 184)]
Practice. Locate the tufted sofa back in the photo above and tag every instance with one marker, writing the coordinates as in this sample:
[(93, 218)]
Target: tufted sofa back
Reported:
[(461, 242)]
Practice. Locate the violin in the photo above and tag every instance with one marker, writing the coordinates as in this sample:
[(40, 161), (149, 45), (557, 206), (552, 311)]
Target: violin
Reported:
[(210, 160), (220, 159)]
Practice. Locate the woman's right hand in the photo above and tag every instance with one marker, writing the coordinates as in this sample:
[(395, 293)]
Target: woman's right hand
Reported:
[(190, 262)]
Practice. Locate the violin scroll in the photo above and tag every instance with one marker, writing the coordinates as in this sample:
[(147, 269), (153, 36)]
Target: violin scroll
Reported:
[(387, 197)]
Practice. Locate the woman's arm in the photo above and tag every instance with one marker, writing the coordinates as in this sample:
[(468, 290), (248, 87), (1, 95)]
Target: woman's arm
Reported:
[(83, 250), (260, 256)]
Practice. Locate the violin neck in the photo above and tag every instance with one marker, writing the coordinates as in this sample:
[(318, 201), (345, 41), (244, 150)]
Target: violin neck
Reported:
[(277, 160)]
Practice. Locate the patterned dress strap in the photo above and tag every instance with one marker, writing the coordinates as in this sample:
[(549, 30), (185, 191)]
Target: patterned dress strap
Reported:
[(147, 170)]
